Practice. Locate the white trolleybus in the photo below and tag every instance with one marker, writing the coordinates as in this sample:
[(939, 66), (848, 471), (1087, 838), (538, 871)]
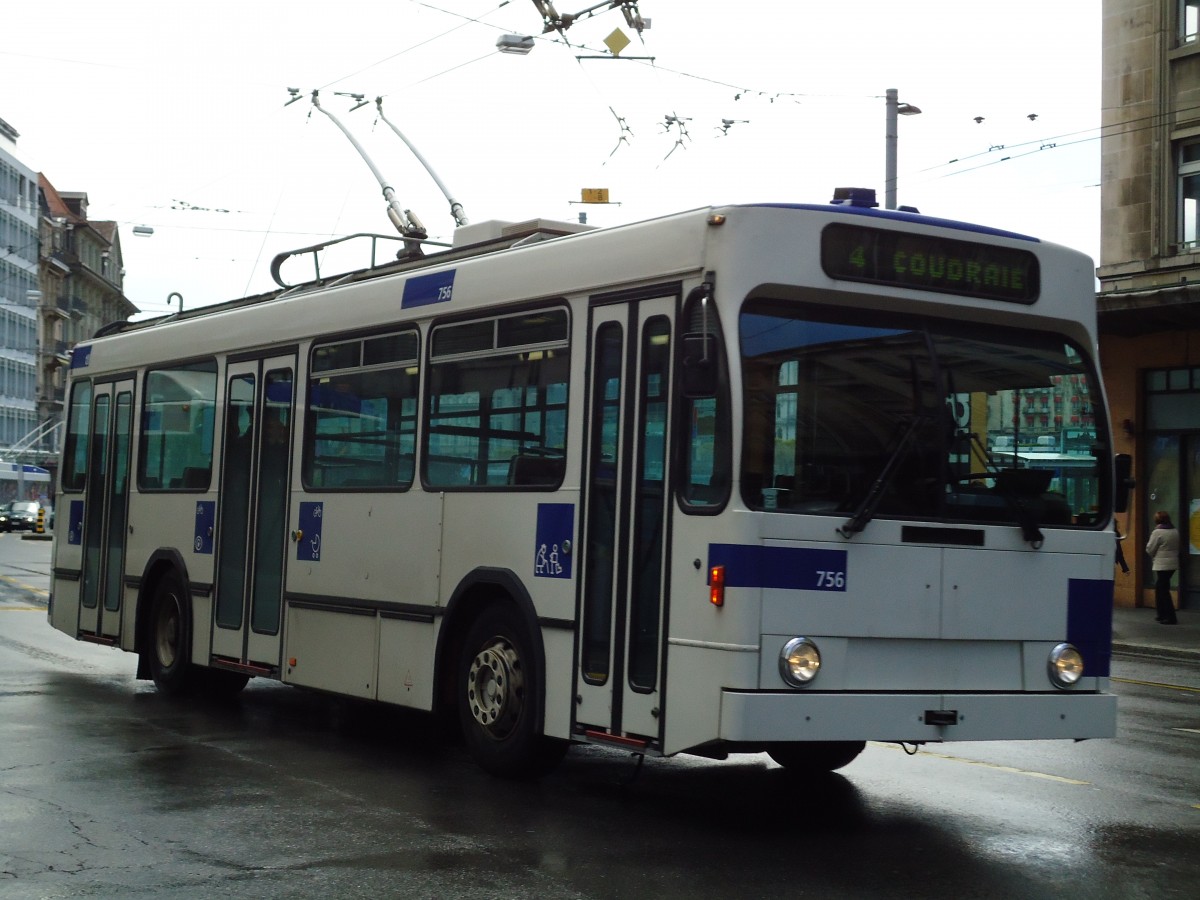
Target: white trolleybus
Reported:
[(716, 482)]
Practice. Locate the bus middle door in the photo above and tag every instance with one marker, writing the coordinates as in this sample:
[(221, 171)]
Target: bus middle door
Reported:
[(106, 507), (619, 681), (252, 509)]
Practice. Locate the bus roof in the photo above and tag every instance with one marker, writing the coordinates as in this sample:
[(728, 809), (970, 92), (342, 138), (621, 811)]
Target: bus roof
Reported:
[(672, 247)]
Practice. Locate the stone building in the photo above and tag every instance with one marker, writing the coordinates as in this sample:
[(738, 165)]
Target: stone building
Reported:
[(1149, 301), (81, 273)]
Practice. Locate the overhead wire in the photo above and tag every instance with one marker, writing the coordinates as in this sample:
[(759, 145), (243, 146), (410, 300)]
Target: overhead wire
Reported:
[(468, 20), (740, 91)]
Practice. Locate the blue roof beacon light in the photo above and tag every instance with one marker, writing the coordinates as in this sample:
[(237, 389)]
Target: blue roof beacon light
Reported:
[(852, 196)]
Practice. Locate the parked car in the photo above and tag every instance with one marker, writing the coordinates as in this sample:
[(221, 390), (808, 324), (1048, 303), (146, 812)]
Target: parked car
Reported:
[(19, 515)]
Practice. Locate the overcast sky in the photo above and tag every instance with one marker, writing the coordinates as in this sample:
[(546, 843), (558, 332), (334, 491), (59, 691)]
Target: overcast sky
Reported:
[(173, 115)]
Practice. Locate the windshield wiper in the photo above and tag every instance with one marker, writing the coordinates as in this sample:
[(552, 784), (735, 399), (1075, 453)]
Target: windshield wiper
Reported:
[(1026, 518), (865, 511)]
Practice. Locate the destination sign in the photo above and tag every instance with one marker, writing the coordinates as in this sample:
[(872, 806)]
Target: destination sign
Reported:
[(927, 263)]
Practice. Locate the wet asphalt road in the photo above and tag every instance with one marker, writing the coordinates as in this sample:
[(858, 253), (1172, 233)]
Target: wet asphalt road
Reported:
[(109, 790)]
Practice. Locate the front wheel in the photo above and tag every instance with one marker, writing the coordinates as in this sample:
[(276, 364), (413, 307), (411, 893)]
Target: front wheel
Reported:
[(169, 638), (817, 756), (499, 688)]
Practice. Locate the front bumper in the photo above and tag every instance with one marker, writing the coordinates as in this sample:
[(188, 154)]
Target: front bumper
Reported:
[(758, 716)]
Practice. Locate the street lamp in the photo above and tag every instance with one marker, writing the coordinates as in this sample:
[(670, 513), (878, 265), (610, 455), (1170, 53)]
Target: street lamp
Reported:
[(894, 109)]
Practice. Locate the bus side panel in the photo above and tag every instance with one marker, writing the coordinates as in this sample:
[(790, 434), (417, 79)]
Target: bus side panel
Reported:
[(64, 614), (560, 698), (381, 547), (694, 692), (332, 651), (68, 557), (709, 648), (202, 624), (406, 662)]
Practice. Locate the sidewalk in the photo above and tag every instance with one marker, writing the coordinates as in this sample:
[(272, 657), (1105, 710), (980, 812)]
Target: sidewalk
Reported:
[(1135, 633)]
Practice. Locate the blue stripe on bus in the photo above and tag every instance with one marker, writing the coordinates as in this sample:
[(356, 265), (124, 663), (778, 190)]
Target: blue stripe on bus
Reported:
[(792, 568), (422, 290), (1089, 622)]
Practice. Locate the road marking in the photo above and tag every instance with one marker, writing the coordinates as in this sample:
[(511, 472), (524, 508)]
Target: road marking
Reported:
[(996, 767), (1188, 730), (1159, 684), (22, 609), (23, 586)]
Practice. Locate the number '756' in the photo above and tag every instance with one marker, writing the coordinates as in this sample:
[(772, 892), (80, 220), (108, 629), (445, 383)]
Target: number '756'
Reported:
[(831, 579)]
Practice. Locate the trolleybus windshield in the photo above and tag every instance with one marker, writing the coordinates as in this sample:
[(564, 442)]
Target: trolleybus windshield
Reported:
[(837, 404)]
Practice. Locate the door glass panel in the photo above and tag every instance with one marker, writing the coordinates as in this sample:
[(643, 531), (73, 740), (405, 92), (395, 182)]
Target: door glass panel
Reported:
[(271, 523), (602, 504), (94, 524), (1162, 485), (235, 500), (117, 501), (650, 506), (74, 465)]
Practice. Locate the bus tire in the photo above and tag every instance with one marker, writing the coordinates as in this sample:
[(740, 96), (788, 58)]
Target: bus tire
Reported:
[(815, 756), (169, 638), (499, 688)]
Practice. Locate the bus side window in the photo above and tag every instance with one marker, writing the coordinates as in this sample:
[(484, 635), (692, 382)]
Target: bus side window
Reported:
[(177, 427), (362, 413), (497, 402), (74, 469)]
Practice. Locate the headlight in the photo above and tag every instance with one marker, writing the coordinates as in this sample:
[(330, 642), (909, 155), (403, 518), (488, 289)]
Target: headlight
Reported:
[(1065, 665), (799, 662)]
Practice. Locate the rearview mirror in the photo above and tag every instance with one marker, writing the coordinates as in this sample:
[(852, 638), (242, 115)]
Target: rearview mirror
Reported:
[(1124, 482)]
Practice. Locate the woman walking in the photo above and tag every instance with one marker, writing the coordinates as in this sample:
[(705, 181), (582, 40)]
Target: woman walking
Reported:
[(1163, 549)]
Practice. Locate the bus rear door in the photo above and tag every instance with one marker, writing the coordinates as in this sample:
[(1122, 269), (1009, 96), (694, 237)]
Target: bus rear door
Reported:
[(252, 512), (106, 507), (625, 530)]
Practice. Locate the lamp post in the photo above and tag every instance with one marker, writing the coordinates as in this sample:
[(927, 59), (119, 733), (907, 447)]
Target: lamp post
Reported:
[(894, 109)]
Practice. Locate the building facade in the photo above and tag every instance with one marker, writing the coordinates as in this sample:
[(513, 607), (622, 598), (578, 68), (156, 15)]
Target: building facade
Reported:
[(81, 278), (18, 293), (1149, 301), (61, 277)]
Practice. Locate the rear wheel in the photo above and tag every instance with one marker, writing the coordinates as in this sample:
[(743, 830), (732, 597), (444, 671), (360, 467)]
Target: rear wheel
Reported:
[(498, 690), (816, 756), (170, 635)]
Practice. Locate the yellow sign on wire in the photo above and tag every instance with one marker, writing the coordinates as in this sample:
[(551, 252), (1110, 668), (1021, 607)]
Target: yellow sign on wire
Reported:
[(616, 42)]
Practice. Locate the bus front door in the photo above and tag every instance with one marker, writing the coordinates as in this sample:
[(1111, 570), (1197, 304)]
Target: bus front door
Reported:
[(106, 508), (252, 508), (619, 680)]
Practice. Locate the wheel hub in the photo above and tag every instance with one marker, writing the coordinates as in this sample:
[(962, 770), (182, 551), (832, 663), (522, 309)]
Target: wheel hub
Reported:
[(495, 688)]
